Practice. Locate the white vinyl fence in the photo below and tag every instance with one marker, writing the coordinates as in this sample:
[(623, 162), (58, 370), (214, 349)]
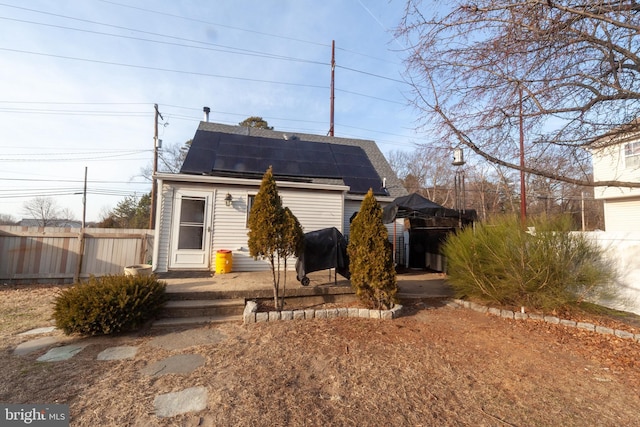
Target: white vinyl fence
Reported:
[(64, 255), (623, 249)]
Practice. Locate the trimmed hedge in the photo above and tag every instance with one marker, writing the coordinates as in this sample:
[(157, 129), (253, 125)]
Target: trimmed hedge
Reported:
[(109, 304)]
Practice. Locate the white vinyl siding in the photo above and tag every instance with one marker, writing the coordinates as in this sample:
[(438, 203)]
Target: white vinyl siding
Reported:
[(622, 215), (352, 206), (315, 209), (161, 263), (609, 165)]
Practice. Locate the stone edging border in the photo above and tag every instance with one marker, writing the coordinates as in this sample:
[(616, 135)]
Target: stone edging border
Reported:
[(251, 316), (508, 314)]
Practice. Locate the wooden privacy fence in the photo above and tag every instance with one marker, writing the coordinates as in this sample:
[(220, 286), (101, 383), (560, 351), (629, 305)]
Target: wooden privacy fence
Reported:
[(59, 255)]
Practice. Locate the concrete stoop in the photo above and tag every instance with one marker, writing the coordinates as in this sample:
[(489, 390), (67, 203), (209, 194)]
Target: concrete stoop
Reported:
[(196, 308), (192, 308), (203, 308), (192, 321)]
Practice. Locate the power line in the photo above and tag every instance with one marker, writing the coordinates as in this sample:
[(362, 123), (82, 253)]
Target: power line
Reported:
[(217, 48), (369, 96), (372, 74), (240, 51), (79, 181), (88, 159), (145, 67), (214, 23), (111, 153), (327, 45), (74, 112), (76, 103)]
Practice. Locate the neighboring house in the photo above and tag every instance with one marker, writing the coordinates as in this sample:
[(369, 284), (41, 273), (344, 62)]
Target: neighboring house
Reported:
[(619, 162), (63, 223), (205, 207)]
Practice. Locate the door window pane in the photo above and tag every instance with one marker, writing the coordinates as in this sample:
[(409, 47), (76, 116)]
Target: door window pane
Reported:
[(192, 210), (191, 231), (191, 237)]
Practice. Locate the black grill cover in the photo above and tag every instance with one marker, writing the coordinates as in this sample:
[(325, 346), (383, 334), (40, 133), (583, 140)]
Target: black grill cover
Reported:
[(323, 249)]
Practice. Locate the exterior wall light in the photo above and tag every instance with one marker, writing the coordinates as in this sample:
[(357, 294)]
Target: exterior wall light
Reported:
[(228, 199)]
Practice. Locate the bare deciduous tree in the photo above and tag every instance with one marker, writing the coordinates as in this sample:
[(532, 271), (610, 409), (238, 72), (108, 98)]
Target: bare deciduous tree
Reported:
[(43, 209), (570, 70), (427, 171), (6, 219)]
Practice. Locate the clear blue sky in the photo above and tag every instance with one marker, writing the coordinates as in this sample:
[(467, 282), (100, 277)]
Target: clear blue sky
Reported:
[(78, 80)]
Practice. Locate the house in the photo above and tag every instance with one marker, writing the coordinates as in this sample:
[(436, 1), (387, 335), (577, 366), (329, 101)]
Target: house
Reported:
[(62, 223), (620, 162), (205, 207)]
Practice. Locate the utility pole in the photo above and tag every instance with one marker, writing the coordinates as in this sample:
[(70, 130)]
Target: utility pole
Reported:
[(81, 237), (582, 210), (84, 199), (523, 193), (154, 184), (333, 80)]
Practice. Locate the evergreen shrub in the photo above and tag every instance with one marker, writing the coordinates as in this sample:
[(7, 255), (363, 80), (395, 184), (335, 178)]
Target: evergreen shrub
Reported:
[(370, 257), (546, 268), (108, 304)]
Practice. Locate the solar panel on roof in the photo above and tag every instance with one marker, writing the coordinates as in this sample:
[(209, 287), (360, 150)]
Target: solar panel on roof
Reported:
[(222, 153)]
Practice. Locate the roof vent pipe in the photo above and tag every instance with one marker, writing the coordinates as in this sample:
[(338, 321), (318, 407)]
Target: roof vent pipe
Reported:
[(206, 110)]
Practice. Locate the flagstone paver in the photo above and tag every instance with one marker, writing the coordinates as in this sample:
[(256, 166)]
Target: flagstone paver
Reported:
[(58, 354), (118, 353), (189, 338), (38, 331), (189, 400), (34, 345), (178, 364)]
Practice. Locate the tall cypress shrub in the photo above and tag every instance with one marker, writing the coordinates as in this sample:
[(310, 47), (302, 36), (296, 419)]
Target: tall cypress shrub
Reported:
[(292, 242), (274, 232), (265, 222), (370, 257)]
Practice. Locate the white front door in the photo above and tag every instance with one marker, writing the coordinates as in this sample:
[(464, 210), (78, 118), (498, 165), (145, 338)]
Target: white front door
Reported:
[(191, 231)]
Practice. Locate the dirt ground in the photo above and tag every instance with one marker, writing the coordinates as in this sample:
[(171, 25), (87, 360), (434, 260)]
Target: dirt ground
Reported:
[(436, 365)]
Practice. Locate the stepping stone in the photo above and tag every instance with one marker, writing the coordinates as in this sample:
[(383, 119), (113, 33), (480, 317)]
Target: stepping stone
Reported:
[(189, 400), (179, 364), (118, 353), (189, 338), (33, 345), (58, 354), (37, 331)]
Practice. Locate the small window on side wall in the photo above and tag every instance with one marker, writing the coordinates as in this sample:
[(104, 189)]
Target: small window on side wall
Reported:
[(250, 199), (632, 155)]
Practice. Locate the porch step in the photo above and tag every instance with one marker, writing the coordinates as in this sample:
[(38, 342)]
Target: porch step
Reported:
[(193, 321), (202, 308)]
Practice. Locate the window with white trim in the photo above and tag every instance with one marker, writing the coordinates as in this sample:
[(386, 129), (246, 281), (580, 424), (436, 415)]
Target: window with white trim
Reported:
[(632, 155), (250, 200)]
